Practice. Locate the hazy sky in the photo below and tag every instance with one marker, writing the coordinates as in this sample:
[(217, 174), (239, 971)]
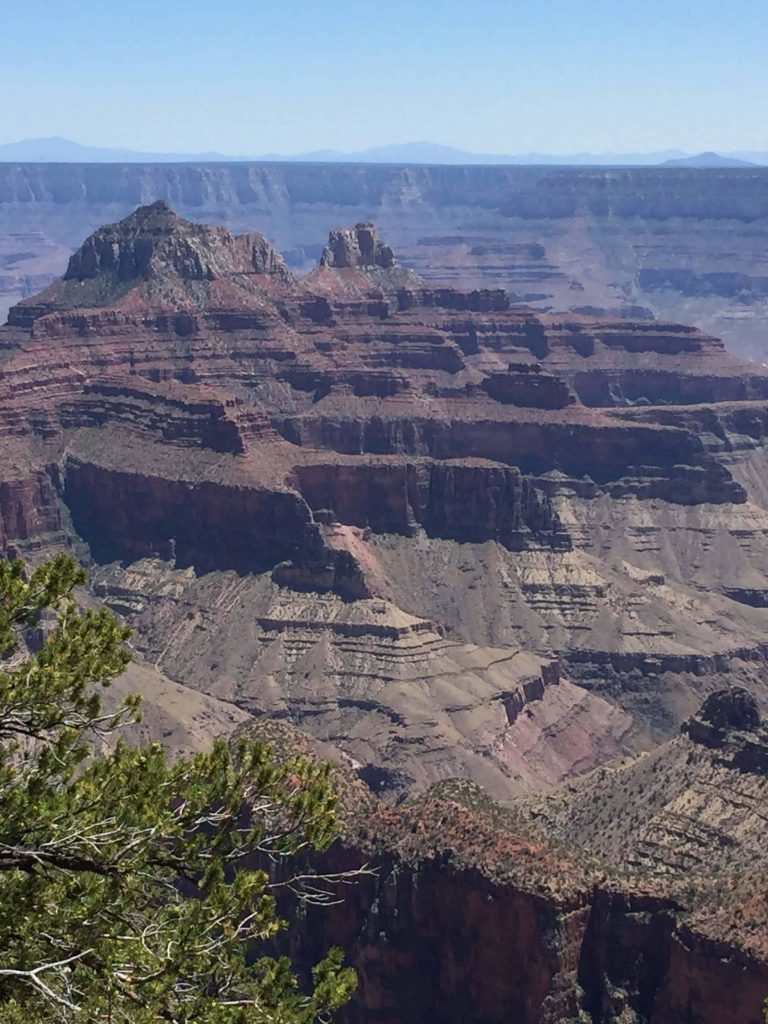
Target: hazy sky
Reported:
[(246, 76)]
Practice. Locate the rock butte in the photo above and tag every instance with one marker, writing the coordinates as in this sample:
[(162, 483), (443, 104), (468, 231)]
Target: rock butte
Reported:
[(449, 538), (680, 243)]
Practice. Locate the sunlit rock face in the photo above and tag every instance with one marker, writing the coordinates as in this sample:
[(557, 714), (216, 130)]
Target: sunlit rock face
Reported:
[(682, 244), (468, 548), (508, 485)]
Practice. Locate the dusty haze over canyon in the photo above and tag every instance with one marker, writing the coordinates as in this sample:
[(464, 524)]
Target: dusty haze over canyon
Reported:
[(687, 244)]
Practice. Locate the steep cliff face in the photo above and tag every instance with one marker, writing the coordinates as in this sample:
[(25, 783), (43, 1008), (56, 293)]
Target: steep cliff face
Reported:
[(524, 384), (492, 472), (468, 914), (28, 509), (709, 981), (450, 945), (471, 502), (639, 964), (625, 239), (452, 539), (204, 524), (203, 422), (604, 451), (528, 192)]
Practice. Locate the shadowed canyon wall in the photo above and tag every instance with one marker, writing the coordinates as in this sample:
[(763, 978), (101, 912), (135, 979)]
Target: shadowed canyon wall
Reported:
[(443, 942), (467, 548)]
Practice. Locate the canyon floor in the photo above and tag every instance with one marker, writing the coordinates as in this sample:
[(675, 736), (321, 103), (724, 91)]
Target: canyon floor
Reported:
[(508, 567)]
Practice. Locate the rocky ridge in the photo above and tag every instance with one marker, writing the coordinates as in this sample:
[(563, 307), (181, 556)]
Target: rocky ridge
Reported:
[(503, 477), (533, 913), (449, 538), (681, 244)]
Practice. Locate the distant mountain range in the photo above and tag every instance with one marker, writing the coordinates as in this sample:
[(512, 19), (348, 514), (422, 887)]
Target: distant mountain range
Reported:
[(58, 150), (64, 151), (709, 160)]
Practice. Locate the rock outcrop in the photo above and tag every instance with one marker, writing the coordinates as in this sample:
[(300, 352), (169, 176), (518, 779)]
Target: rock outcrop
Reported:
[(180, 396), (155, 259), (630, 241), (476, 910), (357, 247), (149, 244), (724, 713), (451, 538)]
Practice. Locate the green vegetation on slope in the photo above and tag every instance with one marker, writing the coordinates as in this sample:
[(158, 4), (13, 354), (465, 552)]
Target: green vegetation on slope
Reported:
[(128, 891)]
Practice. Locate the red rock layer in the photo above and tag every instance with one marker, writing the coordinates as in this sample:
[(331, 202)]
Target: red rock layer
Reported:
[(182, 397), (436, 936)]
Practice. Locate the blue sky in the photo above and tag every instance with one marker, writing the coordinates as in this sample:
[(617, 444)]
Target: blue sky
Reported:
[(488, 75)]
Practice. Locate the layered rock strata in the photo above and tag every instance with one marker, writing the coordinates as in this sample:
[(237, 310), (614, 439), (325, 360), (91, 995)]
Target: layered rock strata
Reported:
[(451, 539), (472, 910), (507, 478), (675, 243)]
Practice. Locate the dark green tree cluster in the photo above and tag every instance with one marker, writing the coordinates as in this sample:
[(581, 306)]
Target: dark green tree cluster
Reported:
[(130, 885)]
